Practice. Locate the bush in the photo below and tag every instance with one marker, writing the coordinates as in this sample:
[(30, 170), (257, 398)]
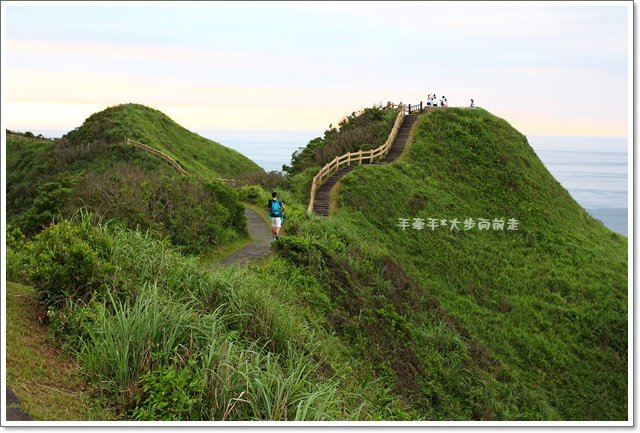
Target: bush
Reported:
[(47, 205), (193, 214), (268, 180), (69, 261), (253, 194), (364, 130), (300, 184), (171, 393), (17, 259)]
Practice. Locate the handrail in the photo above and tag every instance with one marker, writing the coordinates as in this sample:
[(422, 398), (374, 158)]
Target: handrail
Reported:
[(18, 137), (172, 162), (175, 164), (346, 159)]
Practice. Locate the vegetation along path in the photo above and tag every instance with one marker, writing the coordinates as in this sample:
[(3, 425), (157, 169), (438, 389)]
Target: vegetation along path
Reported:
[(261, 235), (321, 202)]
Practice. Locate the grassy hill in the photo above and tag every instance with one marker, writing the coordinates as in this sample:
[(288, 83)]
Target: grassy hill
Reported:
[(92, 168), (356, 318), (196, 154), (494, 324)]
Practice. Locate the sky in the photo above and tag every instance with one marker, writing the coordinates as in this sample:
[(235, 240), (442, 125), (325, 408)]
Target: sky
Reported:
[(548, 68)]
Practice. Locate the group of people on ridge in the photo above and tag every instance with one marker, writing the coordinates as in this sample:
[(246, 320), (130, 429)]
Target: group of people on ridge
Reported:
[(432, 101)]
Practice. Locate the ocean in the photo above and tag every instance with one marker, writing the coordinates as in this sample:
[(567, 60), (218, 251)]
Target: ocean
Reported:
[(593, 169)]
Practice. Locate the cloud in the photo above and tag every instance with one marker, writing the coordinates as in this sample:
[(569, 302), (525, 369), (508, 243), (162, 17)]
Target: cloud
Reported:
[(305, 60)]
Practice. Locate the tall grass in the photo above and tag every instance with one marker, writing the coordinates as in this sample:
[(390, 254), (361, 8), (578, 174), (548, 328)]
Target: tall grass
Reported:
[(131, 344), (166, 339), (127, 338)]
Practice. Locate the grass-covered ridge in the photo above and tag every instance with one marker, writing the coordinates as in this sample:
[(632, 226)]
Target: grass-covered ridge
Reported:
[(198, 155), (543, 307), (355, 318), (93, 169)]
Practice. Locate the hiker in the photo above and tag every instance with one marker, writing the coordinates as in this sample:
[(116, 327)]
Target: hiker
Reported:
[(472, 103), (276, 213), (429, 100)]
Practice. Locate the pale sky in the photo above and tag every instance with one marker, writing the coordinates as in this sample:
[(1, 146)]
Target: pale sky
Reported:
[(546, 69)]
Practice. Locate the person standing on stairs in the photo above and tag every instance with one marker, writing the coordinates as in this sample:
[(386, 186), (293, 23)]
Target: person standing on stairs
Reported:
[(276, 213)]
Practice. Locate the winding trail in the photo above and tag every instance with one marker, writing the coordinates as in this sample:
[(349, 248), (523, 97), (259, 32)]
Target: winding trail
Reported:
[(261, 246)]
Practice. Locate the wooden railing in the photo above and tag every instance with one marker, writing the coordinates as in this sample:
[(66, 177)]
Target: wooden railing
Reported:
[(172, 162), (417, 108), (362, 155), (18, 137)]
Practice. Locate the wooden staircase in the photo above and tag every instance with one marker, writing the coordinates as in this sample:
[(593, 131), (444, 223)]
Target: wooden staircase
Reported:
[(321, 202)]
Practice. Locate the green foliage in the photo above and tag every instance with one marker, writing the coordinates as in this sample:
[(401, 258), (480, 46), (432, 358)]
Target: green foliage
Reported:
[(355, 318), (267, 180), (91, 168), (28, 166), (47, 205), (17, 258), (299, 185), (365, 130), (254, 194), (69, 262), (170, 394), (535, 309), (42, 178)]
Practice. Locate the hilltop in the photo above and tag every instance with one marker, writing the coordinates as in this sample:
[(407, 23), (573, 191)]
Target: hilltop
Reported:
[(521, 323), (198, 155), (93, 168)]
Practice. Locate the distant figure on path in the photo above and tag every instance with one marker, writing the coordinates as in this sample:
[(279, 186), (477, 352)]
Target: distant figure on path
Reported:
[(472, 103), (276, 213)]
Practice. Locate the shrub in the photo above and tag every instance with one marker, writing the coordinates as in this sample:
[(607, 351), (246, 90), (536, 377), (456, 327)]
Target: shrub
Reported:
[(17, 259), (47, 205), (192, 213), (364, 130), (69, 261), (254, 194), (268, 180), (171, 393)]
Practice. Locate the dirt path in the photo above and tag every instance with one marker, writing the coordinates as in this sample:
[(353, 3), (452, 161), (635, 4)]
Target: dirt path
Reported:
[(14, 412), (261, 235)]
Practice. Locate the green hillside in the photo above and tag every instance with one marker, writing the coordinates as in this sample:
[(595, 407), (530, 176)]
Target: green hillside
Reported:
[(92, 168), (356, 318), (196, 154), (528, 323)]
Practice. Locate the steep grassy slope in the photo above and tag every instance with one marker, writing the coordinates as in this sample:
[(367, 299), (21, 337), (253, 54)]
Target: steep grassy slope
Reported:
[(355, 318), (196, 154), (543, 306), (92, 169)]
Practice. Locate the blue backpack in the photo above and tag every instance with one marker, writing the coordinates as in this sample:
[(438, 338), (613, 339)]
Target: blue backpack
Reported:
[(276, 209)]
